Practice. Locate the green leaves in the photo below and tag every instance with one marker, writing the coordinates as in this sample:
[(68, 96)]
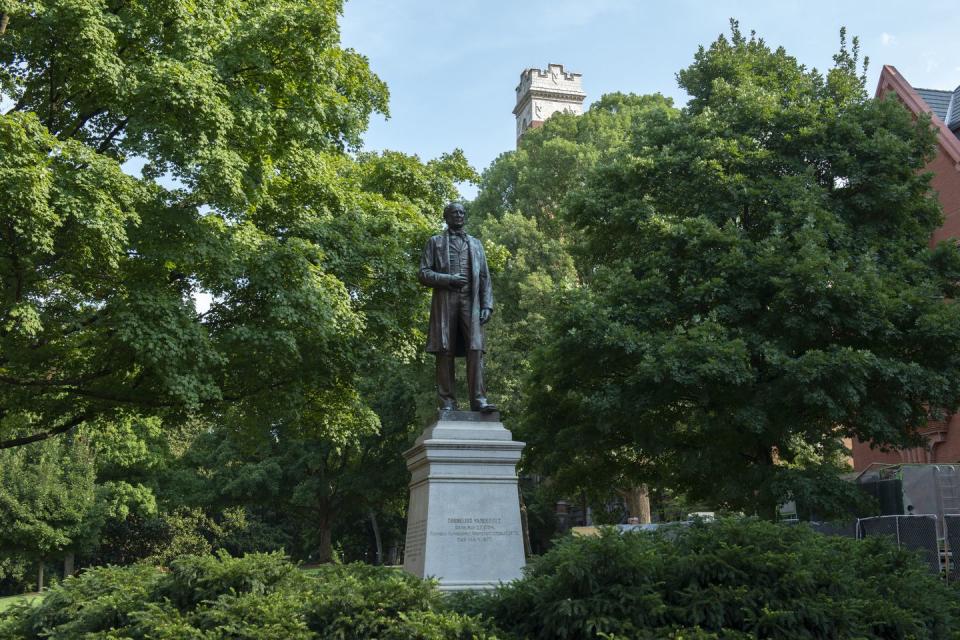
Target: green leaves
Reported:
[(242, 114), (732, 579), (756, 278), (46, 498), (257, 276), (257, 596)]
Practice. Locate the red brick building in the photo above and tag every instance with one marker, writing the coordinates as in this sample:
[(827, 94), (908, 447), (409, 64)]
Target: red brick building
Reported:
[(943, 439)]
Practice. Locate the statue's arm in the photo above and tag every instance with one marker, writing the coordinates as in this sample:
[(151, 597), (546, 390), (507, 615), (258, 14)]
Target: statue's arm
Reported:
[(428, 275), (486, 289)]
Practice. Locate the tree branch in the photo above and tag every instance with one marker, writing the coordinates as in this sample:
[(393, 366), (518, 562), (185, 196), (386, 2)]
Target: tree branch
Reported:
[(54, 383), (68, 332), (109, 397), (84, 119), (243, 395), (72, 387), (43, 435), (4, 21), (15, 264), (105, 144), (52, 95)]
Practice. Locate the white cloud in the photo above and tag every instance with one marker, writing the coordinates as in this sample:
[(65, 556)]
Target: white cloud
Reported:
[(887, 39)]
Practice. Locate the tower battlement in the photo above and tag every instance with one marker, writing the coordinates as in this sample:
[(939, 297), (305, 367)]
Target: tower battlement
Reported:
[(544, 92), (554, 76)]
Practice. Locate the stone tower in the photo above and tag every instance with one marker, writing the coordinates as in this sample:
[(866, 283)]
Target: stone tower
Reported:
[(542, 93)]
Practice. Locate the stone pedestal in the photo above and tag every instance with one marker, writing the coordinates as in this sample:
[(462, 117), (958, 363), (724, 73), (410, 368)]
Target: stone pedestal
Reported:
[(463, 523)]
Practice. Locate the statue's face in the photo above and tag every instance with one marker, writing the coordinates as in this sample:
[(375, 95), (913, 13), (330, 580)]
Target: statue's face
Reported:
[(455, 217)]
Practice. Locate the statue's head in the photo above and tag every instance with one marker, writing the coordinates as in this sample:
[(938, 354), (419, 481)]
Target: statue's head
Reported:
[(455, 215)]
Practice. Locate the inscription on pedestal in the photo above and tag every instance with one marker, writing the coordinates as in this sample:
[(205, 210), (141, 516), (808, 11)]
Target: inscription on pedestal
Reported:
[(464, 528), (474, 529), (416, 535)]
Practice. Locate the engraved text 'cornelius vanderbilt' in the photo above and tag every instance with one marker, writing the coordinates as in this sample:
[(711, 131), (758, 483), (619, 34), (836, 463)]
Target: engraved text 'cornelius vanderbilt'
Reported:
[(454, 266)]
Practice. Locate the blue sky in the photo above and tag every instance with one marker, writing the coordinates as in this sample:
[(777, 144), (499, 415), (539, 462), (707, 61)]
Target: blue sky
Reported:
[(452, 65)]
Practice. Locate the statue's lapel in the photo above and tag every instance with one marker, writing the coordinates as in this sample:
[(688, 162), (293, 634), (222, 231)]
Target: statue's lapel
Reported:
[(474, 247), (444, 253)]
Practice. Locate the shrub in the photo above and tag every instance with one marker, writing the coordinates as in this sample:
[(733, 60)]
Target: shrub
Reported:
[(98, 600), (730, 579), (259, 596)]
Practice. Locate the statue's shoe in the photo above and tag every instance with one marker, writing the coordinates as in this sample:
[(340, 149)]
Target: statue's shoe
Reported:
[(483, 407)]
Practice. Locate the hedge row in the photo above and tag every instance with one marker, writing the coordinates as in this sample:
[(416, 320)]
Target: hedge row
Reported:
[(730, 579), (259, 596)]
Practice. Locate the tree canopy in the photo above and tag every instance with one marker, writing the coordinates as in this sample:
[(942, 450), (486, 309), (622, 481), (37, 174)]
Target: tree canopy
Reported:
[(760, 286), (241, 116), (204, 280)]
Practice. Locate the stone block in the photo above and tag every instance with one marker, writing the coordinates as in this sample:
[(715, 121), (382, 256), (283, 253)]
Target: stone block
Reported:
[(463, 522)]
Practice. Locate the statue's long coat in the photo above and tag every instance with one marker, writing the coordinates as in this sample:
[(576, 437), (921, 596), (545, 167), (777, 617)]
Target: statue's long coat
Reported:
[(435, 273)]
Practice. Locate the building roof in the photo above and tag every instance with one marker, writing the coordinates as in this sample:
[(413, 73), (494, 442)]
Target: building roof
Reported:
[(937, 99), (954, 121), (945, 104), (917, 101)]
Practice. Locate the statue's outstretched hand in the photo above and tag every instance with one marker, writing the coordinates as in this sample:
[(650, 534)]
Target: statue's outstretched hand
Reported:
[(485, 315)]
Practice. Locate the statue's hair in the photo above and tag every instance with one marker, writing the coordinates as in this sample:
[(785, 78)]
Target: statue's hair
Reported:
[(452, 206)]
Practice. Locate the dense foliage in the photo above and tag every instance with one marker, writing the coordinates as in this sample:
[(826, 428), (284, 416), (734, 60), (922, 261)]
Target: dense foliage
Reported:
[(730, 579), (760, 286), (208, 292), (241, 114), (258, 596), (521, 214), (48, 505), (194, 243)]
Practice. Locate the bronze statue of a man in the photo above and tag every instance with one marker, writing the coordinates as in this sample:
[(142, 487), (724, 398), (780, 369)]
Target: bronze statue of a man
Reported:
[(454, 265)]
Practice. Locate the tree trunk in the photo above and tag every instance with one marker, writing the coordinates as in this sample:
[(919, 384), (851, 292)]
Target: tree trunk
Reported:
[(638, 502), (68, 565), (376, 536), (325, 551), (40, 576), (767, 503), (4, 21), (766, 507), (524, 526)]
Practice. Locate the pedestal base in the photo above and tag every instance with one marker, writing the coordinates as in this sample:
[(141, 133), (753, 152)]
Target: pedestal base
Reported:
[(463, 524)]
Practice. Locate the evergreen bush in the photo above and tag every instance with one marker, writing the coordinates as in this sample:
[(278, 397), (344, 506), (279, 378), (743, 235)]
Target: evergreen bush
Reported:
[(262, 596), (731, 579)]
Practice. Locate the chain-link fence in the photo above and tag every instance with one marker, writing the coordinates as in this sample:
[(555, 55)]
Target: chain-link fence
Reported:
[(844, 529), (951, 535), (917, 532)]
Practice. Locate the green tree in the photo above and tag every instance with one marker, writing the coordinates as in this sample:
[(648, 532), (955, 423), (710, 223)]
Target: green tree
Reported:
[(761, 286), (253, 193), (532, 247), (333, 456), (47, 498), (63, 499), (247, 109)]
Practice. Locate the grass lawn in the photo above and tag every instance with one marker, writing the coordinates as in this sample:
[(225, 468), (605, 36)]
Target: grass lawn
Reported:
[(6, 603)]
